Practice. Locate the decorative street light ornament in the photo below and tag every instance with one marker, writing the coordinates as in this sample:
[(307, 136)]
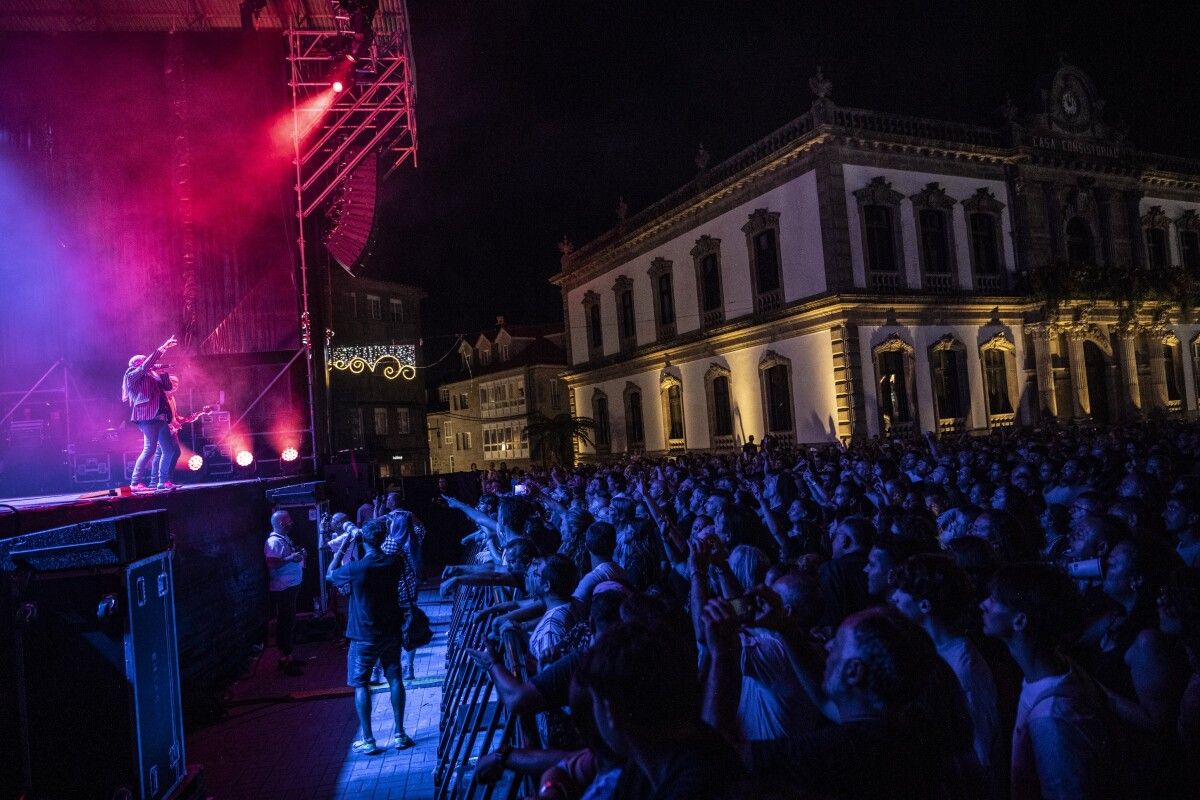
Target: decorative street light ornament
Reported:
[(397, 360)]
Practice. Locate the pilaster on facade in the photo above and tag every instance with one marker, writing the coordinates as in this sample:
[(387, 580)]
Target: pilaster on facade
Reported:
[(1047, 393), (848, 381)]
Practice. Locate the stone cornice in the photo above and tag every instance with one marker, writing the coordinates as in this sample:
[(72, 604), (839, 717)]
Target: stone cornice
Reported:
[(809, 316), (867, 132)]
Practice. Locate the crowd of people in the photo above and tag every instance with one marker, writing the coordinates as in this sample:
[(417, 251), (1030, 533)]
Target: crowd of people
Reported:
[(1011, 615)]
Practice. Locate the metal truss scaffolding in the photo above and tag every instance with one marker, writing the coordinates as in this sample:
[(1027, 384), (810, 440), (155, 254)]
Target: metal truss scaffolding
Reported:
[(370, 124)]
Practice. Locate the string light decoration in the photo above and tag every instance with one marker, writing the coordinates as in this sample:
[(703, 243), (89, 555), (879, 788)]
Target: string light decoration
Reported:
[(397, 360)]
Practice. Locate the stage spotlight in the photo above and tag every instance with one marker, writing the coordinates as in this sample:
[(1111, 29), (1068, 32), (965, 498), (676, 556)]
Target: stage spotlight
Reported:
[(338, 87), (245, 458), (196, 463), (289, 454)]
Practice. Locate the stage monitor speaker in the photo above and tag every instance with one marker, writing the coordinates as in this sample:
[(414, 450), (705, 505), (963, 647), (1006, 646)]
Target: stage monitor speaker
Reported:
[(97, 682)]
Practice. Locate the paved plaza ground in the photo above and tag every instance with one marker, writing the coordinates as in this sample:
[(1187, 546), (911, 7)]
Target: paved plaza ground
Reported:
[(289, 737)]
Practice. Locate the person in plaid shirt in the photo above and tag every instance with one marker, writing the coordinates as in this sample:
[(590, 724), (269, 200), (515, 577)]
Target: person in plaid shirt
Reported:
[(405, 537)]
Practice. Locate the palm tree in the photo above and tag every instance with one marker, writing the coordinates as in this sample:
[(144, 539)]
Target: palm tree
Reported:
[(555, 436)]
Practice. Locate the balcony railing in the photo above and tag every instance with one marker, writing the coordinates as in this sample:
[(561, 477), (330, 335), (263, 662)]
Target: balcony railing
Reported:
[(951, 424), (713, 317), (676, 445), (1002, 420), (723, 442), (939, 282), (885, 281), (768, 301), (989, 283)]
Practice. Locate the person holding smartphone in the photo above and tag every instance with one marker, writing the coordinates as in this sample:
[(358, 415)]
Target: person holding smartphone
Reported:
[(285, 572)]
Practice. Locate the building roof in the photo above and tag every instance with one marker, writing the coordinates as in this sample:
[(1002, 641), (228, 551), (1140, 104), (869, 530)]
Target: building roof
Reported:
[(61, 16), (546, 349), (1037, 133)]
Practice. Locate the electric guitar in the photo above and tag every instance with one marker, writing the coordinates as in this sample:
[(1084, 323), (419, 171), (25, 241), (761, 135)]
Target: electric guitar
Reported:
[(195, 415)]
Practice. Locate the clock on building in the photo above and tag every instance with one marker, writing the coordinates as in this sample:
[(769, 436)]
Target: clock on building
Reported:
[(1070, 103)]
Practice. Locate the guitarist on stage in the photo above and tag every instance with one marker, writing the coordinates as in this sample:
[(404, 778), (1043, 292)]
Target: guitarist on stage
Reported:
[(166, 459), (144, 387)]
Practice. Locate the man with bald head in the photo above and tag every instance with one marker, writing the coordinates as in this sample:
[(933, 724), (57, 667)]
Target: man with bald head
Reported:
[(285, 571)]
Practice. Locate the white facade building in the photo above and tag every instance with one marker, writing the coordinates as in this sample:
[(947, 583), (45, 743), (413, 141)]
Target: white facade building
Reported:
[(856, 274)]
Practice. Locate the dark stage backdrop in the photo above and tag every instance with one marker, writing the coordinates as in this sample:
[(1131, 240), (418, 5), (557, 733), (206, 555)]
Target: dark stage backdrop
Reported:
[(141, 195)]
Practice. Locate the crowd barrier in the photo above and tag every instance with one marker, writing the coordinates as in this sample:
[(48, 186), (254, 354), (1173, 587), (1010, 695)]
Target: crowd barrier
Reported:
[(474, 721)]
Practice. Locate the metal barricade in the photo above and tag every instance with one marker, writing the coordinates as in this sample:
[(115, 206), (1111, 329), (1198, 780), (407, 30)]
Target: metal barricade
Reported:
[(474, 720)]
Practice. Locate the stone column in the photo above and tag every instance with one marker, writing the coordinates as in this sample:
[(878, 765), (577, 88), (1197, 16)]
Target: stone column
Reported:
[(1047, 399), (1081, 401), (1127, 357), (1158, 372)]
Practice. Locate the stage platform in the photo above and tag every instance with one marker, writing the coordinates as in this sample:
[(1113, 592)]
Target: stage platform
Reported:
[(218, 531), (20, 515)]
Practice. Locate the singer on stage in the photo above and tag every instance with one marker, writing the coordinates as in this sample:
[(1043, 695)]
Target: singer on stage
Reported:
[(145, 388)]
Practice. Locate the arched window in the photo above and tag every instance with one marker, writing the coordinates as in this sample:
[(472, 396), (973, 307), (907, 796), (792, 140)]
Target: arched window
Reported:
[(662, 283), (894, 368), (878, 206), (720, 407), (998, 356), (635, 429), (600, 417), (762, 242), (1187, 226), (776, 378), (671, 392), (626, 321), (881, 250), (985, 244), (595, 330), (983, 212), (935, 233), (707, 257), (948, 368), (1155, 225), (1080, 248)]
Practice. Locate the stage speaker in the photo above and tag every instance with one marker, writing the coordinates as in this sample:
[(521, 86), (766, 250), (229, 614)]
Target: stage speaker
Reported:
[(96, 662)]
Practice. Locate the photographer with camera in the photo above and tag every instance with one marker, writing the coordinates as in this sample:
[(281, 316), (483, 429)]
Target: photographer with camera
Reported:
[(374, 627)]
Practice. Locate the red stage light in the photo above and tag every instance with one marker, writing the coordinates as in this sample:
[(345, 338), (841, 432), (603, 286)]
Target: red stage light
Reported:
[(195, 463), (289, 454), (338, 87), (245, 458)]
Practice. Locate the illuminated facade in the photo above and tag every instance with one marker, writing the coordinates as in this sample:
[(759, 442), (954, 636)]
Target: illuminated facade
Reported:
[(857, 273), (503, 379), (376, 393)]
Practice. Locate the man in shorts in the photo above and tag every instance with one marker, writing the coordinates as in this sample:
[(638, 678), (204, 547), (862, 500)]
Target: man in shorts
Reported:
[(373, 626)]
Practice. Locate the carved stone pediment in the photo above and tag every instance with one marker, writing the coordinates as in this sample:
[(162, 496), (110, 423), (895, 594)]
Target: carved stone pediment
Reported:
[(947, 342), (659, 266), (893, 344), (878, 193), (1188, 221), (999, 341), (771, 359), (760, 221), (706, 245), (622, 283), (933, 196), (983, 201), (1155, 217)]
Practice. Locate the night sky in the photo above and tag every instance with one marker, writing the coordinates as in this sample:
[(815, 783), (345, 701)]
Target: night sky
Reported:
[(535, 117)]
